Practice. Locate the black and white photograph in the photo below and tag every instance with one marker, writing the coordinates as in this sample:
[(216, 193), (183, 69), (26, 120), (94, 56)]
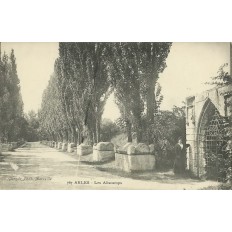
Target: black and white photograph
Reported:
[(115, 115)]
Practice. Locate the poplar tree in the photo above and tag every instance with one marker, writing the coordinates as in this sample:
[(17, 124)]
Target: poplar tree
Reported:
[(11, 104)]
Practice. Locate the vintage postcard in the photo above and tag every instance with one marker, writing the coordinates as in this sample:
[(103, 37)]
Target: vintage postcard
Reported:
[(97, 115)]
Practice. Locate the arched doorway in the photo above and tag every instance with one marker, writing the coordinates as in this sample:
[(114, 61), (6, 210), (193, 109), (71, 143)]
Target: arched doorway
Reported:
[(210, 142)]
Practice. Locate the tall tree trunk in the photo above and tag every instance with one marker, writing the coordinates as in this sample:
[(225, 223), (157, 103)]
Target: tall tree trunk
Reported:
[(53, 136), (129, 131), (137, 113), (150, 100), (151, 103), (80, 137), (74, 135), (98, 130), (57, 137), (61, 136), (139, 131), (98, 127), (93, 127), (66, 135)]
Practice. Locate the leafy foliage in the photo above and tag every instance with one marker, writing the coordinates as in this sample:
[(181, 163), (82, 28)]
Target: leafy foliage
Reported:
[(74, 101), (109, 130), (135, 70), (32, 128), (222, 78), (85, 74), (223, 162), (11, 105)]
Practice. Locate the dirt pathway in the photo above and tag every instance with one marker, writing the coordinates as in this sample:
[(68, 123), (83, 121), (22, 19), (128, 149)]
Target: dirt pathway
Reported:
[(36, 166)]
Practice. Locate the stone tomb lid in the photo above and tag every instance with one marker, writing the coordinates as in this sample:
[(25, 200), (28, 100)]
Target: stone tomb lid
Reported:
[(105, 146), (140, 149)]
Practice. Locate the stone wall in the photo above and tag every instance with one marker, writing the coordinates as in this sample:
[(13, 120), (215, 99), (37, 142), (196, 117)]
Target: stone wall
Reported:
[(199, 109)]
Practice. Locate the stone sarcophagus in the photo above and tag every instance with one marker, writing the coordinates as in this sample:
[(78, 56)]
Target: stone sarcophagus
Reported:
[(135, 158), (71, 147), (59, 145), (103, 151), (55, 144), (64, 147), (52, 143), (6, 147), (14, 145), (83, 149)]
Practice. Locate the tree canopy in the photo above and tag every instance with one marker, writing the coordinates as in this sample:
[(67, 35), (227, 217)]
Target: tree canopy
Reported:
[(11, 104), (85, 74)]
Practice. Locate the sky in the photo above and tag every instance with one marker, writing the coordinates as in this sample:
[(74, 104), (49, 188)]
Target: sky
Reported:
[(35, 63), (189, 66)]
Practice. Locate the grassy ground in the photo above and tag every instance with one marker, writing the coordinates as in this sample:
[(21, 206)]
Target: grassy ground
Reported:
[(159, 176), (222, 186)]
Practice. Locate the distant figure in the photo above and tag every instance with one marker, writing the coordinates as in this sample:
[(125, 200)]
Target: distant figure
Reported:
[(180, 157)]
